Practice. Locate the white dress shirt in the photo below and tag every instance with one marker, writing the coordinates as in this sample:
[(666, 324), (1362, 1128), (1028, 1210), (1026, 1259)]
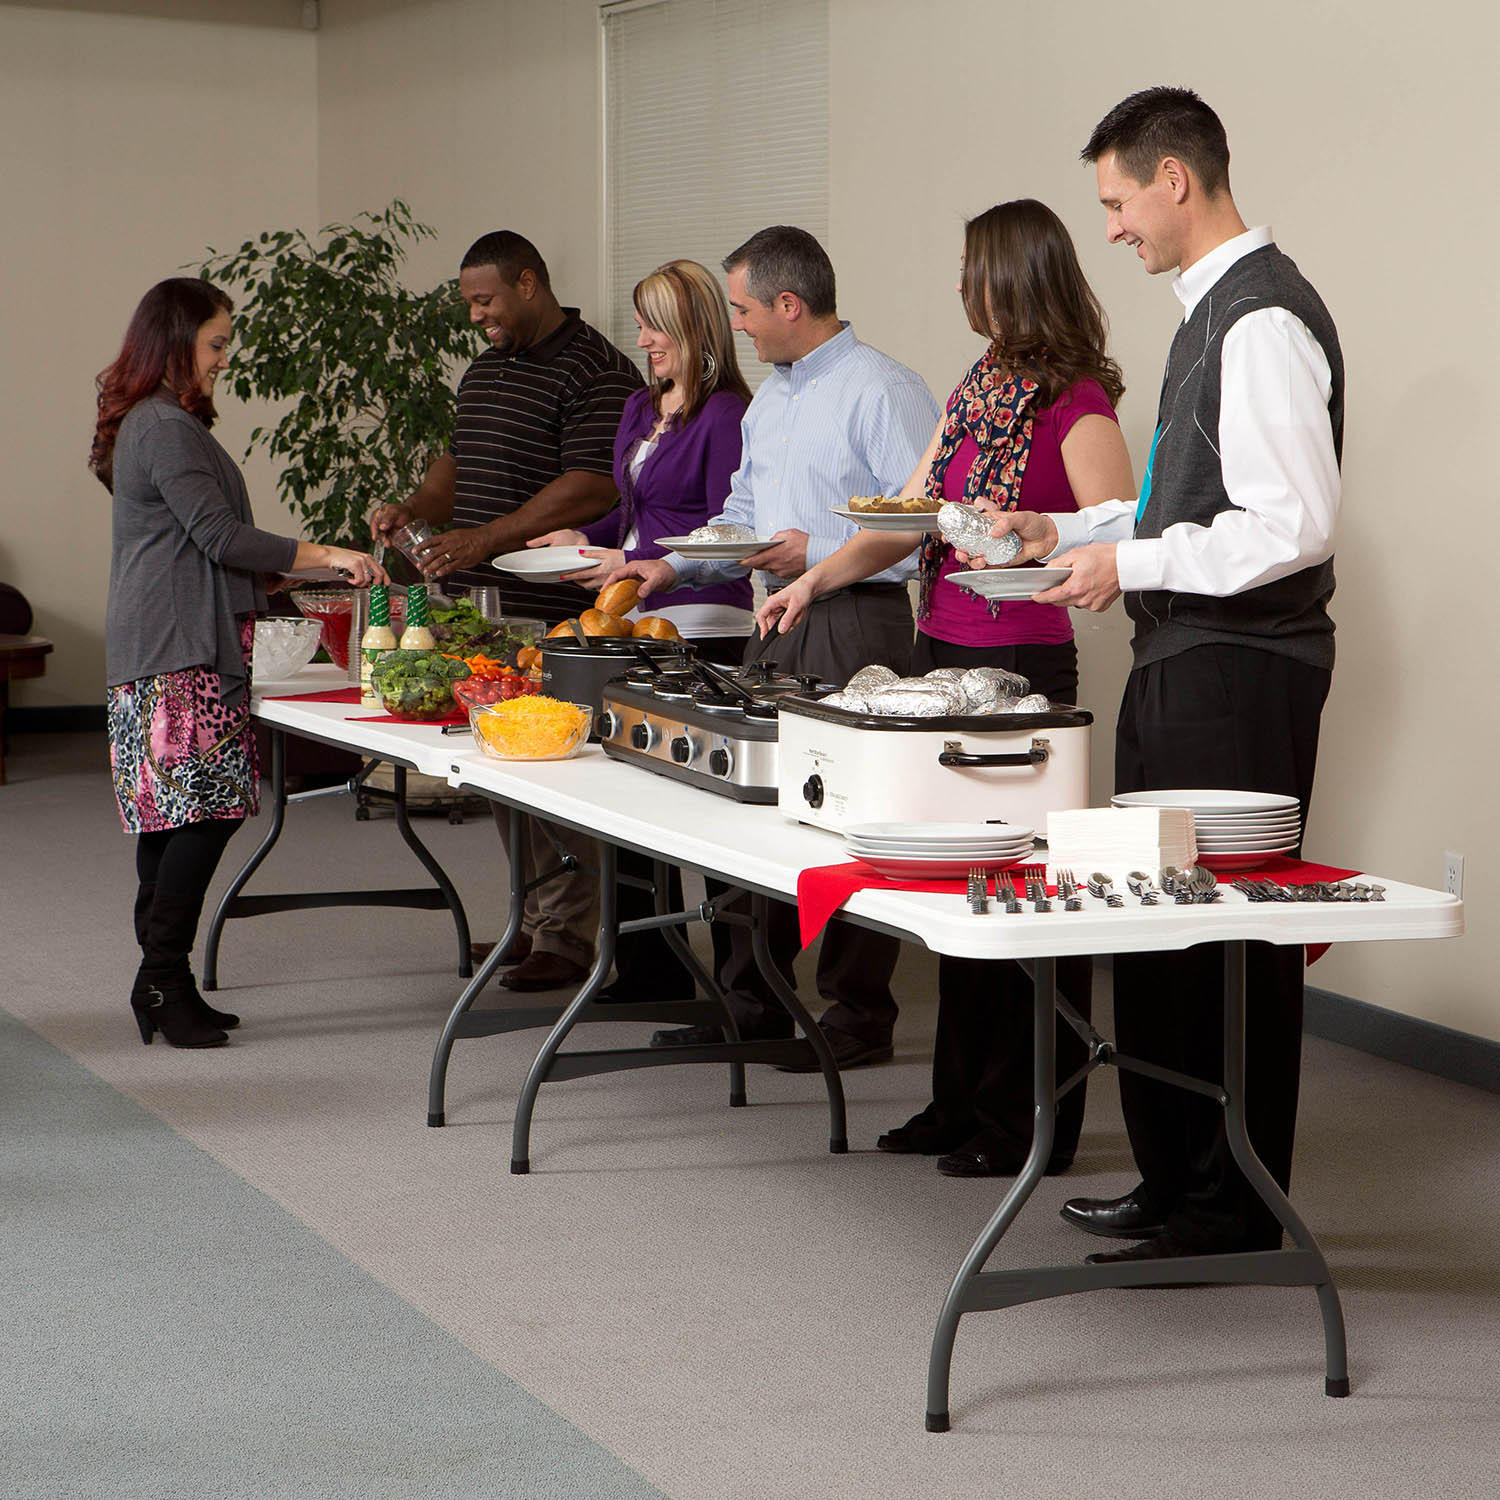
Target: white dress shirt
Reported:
[(1275, 446), (844, 420)]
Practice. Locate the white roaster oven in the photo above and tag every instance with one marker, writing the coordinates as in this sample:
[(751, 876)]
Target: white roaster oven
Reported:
[(838, 767)]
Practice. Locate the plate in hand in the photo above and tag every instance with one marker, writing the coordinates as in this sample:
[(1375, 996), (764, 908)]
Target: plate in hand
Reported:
[(1009, 583), (890, 520), (544, 564), (712, 551)]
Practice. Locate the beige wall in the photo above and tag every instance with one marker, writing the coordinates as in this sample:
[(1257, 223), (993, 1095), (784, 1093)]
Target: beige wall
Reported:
[(1359, 131), (132, 136)]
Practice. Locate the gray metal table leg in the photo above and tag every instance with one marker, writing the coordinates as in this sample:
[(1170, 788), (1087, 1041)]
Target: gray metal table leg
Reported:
[(438, 873), (604, 956), (1044, 1128), (438, 1077), (677, 941), (1336, 1377), (251, 865), (838, 1128)]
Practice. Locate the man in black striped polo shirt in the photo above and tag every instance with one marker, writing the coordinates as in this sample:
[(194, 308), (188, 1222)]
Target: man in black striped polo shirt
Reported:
[(532, 452)]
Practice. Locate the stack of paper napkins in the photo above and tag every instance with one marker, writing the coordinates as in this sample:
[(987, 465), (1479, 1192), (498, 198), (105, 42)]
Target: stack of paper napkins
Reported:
[(1114, 841)]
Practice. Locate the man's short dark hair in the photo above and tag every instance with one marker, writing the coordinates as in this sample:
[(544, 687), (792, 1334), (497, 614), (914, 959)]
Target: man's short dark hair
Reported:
[(510, 254), (1162, 122), (786, 259)]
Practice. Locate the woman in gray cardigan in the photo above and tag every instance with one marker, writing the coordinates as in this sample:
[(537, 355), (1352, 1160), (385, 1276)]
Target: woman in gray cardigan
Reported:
[(188, 574)]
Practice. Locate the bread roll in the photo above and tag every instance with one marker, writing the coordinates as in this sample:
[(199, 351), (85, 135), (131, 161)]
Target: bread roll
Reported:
[(562, 628), (526, 657), (596, 622), (618, 598), (654, 625)]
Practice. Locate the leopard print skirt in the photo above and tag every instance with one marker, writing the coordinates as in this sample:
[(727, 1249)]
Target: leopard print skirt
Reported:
[(178, 753)]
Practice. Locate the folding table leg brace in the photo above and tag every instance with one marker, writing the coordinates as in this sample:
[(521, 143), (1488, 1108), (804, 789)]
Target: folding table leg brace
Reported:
[(553, 1065), (976, 1290), (425, 898)]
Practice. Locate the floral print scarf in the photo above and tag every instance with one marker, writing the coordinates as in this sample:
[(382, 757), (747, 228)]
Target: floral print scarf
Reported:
[(997, 411)]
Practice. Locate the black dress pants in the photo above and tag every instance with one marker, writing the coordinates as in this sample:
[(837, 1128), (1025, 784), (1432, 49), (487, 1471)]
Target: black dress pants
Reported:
[(1233, 717), (645, 967), (840, 633), (981, 1054)]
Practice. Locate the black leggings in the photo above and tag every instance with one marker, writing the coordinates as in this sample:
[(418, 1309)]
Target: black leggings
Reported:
[(174, 868)]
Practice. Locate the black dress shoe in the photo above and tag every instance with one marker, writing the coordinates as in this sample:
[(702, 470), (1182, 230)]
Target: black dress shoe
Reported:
[(1161, 1247), (1124, 1218), (968, 1163), (543, 971), (618, 994), (922, 1135), (703, 1036), (848, 1052)]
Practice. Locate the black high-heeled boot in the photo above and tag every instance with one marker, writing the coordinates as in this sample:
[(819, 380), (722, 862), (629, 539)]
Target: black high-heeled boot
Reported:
[(162, 1003), (145, 900)]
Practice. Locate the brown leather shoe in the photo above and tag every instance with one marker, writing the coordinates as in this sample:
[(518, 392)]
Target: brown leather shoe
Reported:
[(519, 950), (544, 971)]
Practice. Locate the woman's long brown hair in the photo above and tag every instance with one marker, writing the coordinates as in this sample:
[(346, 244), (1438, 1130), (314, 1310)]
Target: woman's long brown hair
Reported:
[(1025, 291), (160, 352)]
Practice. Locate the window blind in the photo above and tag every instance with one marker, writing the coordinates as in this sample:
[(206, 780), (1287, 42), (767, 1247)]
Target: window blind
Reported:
[(716, 125)]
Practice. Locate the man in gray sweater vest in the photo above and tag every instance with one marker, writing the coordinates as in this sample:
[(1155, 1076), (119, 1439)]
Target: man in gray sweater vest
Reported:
[(1225, 564)]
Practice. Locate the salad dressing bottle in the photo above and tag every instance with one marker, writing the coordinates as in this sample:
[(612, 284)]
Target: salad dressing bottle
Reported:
[(374, 643), (416, 636)]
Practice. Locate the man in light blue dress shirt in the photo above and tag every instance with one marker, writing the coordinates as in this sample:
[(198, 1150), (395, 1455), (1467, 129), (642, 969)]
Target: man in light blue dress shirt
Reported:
[(834, 419)]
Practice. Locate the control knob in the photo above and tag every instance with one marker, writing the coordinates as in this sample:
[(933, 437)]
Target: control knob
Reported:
[(812, 790), (644, 736), (721, 761), (607, 725)]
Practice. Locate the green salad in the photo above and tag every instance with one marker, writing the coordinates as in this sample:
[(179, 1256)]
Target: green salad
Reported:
[(417, 684), (458, 626)]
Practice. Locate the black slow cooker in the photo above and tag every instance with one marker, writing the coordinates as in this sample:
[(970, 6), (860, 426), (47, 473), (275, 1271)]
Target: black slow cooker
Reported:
[(577, 672)]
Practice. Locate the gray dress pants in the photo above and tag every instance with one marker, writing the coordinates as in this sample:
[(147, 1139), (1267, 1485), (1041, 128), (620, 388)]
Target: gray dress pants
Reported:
[(856, 627)]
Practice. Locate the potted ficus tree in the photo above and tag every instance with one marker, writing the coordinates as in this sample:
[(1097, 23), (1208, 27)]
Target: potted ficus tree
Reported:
[(367, 364)]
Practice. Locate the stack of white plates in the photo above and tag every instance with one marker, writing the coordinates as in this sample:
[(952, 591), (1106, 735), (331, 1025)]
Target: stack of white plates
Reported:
[(1234, 830), (938, 850)]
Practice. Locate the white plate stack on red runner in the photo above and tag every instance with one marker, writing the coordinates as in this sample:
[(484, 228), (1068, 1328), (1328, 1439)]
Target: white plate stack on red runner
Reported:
[(1234, 830), (938, 851)]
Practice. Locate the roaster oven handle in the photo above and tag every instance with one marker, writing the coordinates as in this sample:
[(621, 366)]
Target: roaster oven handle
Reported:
[(951, 755)]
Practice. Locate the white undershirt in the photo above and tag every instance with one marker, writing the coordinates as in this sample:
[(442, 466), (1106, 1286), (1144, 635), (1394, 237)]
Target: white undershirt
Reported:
[(1275, 445), (693, 621)]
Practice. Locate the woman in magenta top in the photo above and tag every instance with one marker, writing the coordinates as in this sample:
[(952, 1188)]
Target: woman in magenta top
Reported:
[(1031, 426)]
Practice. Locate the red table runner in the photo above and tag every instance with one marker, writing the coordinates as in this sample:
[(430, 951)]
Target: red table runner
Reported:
[(328, 695), (461, 717), (822, 889)]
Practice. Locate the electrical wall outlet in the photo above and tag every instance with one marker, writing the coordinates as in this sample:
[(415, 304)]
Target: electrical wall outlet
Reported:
[(1453, 873)]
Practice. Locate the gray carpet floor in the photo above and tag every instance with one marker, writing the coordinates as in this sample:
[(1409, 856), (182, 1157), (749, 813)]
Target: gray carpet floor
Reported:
[(704, 1293)]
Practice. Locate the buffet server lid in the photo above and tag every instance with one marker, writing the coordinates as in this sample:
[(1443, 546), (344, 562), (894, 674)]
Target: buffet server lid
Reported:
[(628, 647), (1061, 716)]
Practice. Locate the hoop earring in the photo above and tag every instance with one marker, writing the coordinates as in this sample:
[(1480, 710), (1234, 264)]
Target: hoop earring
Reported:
[(710, 367)]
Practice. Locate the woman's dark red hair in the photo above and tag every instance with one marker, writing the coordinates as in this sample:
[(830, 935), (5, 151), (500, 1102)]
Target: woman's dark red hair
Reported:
[(160, 351)]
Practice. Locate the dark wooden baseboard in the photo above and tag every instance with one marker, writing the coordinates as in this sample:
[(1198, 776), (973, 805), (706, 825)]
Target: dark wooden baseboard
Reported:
[(1451, 1054), (75, 718)]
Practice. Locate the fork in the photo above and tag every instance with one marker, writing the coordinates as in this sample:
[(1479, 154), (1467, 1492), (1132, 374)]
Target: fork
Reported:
[(978, 904)]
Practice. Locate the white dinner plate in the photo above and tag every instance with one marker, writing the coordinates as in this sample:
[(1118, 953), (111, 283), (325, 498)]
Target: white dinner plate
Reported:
[(1234, 846), (1009, 583), (716, 551), (543, 564), (1247, 820), (927, 851), (1206, 799), (1250, 830), (1243, 861), (937, 869), (979, 833), (890, 520)]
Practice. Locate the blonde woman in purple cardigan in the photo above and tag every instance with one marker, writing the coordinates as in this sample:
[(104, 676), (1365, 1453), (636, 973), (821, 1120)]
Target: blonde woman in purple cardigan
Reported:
[(676, 450)]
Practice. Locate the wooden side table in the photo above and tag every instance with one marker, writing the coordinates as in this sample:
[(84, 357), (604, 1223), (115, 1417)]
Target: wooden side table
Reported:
[(20, 656)]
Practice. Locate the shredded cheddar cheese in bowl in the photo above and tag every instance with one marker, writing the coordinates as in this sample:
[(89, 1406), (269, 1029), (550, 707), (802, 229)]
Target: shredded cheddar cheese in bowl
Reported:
[(532, 728)]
